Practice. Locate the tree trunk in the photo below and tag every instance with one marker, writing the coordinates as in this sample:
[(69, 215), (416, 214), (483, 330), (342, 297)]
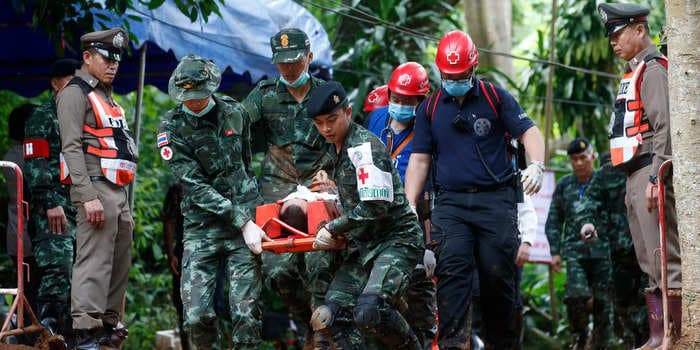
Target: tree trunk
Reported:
[(489, 25), (683, 29)]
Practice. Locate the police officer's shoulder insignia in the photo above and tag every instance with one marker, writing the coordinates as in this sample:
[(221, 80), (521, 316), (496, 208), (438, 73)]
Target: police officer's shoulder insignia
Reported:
[(166, 153)]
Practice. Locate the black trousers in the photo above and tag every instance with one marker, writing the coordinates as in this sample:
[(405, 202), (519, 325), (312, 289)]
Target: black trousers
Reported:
[(475, 232)]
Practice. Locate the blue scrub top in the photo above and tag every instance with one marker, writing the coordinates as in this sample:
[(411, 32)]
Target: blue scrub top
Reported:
[(378, 124)]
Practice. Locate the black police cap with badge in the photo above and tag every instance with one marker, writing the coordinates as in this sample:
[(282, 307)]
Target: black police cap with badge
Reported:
[(578, 145), (109, 43), (618, 15), (326, 99)]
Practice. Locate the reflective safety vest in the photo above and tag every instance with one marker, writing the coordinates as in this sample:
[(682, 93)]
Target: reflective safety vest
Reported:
[(629, 123), (117, 151)]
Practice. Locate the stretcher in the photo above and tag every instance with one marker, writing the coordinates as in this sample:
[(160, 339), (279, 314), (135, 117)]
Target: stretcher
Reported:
[(292, 240)]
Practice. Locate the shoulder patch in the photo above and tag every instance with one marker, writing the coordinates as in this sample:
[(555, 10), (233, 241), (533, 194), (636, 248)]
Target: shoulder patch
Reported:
[(166, 153), (162, 139)]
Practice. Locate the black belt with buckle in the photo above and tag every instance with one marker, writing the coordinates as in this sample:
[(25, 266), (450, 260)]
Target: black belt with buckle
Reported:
[(637, 163), (98, 178), (482, 188)]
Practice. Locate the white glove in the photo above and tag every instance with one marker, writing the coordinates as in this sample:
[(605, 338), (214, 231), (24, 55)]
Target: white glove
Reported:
[(324, 240), (253, 236), (413, 209), (429, 263), (532, 177)]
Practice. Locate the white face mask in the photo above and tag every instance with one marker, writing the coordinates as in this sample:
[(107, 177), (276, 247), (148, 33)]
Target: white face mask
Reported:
[(206, 109)]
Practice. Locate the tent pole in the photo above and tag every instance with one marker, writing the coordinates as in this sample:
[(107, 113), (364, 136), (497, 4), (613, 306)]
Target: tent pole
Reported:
[(137, 116)]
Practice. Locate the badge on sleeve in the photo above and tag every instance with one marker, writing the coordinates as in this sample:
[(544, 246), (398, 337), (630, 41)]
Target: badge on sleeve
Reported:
[(372, 183), (162, 139), (166, 153), (36, 148)]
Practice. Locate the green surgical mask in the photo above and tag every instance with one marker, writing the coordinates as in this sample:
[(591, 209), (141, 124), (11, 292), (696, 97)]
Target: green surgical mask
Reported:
[(206, 109)]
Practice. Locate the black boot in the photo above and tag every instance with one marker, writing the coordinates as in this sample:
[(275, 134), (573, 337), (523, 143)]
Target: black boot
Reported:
[(87, 339)]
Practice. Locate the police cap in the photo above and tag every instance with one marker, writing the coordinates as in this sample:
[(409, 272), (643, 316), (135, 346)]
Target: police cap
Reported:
[(195, 77), (63, 68), (326, 98), (616, 16), (289, 45), (578, 145), (109, 43)]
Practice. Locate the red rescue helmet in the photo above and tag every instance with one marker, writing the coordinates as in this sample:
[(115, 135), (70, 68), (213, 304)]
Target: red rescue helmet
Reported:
[(409, 79), (456, 53), (377, 98)]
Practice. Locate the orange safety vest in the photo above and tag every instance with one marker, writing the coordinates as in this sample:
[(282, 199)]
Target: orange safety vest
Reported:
[(117, 151), (629, 122)]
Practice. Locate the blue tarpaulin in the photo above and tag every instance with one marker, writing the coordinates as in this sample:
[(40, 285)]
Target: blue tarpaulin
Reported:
[(237, 40)]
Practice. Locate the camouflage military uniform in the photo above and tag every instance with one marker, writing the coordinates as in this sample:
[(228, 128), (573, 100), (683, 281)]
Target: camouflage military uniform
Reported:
[(588, 268), (384, 243), (210, 155), (631, 321), (294, 156), (53, 252)]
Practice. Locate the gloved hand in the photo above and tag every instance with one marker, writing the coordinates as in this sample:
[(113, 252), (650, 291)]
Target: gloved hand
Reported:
[(532, 177), (429, 263), (413, 209), (253, 236), (324, 240)]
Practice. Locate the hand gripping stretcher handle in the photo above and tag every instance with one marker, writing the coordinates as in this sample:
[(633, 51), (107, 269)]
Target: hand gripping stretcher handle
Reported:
[(298, 242)]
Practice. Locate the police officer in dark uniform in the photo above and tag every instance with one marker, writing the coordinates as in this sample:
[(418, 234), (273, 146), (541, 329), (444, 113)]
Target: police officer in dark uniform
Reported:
[(464, 127), (640, 140)]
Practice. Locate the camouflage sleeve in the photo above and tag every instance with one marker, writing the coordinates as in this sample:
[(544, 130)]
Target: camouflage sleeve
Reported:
[(187, 169), (595, 206), (368, 213), (41, 171), (554, 223), (253, 104)]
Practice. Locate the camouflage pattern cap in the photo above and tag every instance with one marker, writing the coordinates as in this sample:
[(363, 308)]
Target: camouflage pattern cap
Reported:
[(194, 77), (289, 45), (109, 43), (616, 16), (326, 99), (578, 145)]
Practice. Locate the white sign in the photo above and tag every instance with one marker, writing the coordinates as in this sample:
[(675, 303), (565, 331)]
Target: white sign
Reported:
[(542, 200)]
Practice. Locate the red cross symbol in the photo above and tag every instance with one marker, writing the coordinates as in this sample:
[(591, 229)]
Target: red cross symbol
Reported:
[(166, 153), (405, 79), (363, 175), (453, 57)]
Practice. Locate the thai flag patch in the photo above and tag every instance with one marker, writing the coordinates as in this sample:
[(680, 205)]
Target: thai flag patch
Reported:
[(162, 139)]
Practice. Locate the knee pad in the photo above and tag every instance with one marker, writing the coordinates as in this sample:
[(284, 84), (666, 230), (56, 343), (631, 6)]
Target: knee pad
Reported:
[(324, 316), (367, 312)]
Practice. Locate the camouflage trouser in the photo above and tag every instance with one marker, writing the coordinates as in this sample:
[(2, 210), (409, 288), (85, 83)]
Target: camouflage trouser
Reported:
[(373, 292), (201, 259), (584, 276), (301, 279), (631, 321), (54, 258)]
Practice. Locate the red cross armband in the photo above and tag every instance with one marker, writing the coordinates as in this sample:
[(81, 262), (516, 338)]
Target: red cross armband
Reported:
[(36, 148)]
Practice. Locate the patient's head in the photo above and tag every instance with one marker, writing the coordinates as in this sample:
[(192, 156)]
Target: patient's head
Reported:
[(293, 212)]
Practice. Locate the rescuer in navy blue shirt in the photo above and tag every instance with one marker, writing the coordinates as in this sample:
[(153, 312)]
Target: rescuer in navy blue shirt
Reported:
[(465, 128)]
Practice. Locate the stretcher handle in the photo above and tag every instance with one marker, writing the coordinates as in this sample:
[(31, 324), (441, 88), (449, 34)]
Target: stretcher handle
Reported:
[(285, 225)]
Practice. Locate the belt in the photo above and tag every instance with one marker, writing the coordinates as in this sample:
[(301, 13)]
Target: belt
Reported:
[(476, 189), (98, 178), (637, 163)]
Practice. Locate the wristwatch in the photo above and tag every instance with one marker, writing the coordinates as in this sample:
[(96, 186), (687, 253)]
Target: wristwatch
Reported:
[(653, 179)]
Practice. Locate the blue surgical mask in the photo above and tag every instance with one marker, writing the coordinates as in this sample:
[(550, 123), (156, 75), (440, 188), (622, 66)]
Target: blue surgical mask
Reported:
[(303, 78), (402, 113), (206, 109), (457, 88)]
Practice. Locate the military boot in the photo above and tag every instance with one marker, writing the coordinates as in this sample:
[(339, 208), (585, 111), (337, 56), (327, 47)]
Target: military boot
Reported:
[(675, 314), (48, 317), (656, 322), (87, 339), (113, 337)]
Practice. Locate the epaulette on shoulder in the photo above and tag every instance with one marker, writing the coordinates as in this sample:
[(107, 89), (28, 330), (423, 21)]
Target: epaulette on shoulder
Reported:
[(267, 83)]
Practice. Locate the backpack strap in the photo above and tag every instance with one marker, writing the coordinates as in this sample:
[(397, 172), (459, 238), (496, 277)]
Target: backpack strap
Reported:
[(491, 96), (432, 105)]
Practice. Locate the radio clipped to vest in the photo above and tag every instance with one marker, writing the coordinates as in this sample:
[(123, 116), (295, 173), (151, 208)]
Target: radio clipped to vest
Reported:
[(117, 150), (628, 123)]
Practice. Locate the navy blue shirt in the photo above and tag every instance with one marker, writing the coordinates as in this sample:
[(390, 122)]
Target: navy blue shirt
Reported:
[(458, 164), (378, 124)]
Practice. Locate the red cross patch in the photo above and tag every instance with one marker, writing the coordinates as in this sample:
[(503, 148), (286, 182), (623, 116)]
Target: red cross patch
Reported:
[(363, 175), (405, 79), (452, 57), (166, 153)]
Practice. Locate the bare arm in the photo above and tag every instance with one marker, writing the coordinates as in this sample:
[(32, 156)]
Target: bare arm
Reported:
[(534, 143), (416, 174)]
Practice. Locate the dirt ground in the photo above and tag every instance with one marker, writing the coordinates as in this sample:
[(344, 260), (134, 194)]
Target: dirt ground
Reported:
[(45, 342)]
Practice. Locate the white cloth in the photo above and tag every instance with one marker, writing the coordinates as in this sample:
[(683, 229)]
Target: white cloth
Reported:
[(527, 220)]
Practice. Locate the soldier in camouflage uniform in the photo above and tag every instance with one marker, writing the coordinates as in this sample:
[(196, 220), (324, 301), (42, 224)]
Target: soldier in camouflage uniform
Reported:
[(384, 239), (631, 321), (52, 218), (576, 201), (294, 156), (206, 141)]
